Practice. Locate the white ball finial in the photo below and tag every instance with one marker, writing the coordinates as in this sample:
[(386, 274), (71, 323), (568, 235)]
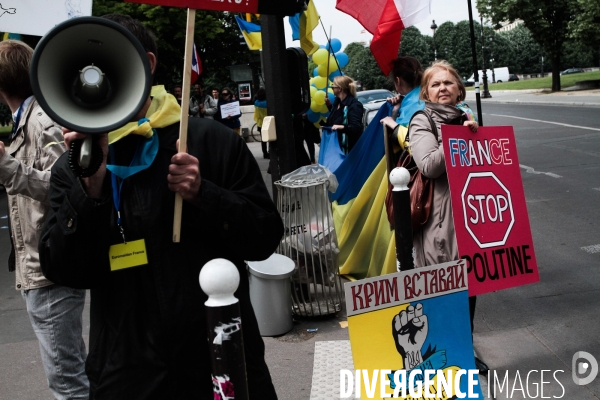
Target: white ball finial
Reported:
[(399, 177), (219, 279)]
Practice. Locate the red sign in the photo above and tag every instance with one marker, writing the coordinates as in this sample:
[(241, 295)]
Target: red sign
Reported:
[(489, 209), (242, 6)]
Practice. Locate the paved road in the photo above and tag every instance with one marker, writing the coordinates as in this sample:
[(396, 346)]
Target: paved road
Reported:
[(533, 327)]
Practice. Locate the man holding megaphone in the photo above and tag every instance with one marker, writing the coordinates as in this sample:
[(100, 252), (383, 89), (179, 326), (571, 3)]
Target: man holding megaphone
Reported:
[(55, 311), (112, 232)]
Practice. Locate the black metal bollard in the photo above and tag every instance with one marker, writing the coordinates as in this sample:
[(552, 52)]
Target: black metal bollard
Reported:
[(399, 177), (219, 279)]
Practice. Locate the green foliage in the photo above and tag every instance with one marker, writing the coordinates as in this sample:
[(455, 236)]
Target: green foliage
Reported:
[(363, 68), (216, 38), (415, 45), (584, 26)]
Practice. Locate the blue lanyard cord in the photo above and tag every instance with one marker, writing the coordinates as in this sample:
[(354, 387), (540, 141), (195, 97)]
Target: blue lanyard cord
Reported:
[(145, 153)]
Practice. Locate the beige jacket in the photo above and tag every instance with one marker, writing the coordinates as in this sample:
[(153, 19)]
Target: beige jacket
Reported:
[(25, 173), (436, 241)]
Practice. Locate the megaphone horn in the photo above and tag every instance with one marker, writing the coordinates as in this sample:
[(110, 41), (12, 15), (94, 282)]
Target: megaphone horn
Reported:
[(90, 75)]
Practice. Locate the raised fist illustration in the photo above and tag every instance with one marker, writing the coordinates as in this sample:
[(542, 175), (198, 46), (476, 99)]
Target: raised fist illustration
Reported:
[(410, 329)]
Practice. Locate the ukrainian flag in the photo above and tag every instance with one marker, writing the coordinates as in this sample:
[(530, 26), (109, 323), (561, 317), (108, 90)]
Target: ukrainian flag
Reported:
[(8, 35), (251, 33), (366, 242), (302, 26)]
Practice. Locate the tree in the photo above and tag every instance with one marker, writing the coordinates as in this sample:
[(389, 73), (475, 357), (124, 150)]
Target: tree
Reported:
[(547, 20), (216, 38), (362, 67), (414, 44), (584, 27)]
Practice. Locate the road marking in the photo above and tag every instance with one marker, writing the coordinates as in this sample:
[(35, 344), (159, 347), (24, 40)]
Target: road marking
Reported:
[(4, 217), (598, 189), (3, 227), (549, 122), (530, 170), (592, 249)]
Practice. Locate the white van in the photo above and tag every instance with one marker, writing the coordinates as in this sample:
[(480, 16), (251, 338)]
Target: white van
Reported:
[(500, 75)]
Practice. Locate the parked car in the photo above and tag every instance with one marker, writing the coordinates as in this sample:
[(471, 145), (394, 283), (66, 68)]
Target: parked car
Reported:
[(512, 77), (572, 71), (372, 100), (371, 96), (467, 83)]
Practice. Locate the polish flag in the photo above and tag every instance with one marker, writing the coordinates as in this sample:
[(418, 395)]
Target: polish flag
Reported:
[(196, 65), (385, 20)]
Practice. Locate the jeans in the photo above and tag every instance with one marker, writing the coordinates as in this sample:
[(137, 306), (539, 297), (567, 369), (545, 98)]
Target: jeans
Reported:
[(55, 313)]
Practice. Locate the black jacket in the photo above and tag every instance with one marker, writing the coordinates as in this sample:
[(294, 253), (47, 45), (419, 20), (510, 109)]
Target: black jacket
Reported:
[(353, 127), (148, 333)]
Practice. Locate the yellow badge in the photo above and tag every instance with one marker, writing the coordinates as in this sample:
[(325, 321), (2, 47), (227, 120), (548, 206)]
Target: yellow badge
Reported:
[(127, 255)]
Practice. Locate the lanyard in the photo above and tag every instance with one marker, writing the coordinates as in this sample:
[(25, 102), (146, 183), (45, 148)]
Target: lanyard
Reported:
[(145, 153), (16, 123)]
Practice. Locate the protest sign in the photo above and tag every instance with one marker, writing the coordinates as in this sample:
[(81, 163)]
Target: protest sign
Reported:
[(230, 109), (411, 330), (488, 205), (241, 6), (36, 17)]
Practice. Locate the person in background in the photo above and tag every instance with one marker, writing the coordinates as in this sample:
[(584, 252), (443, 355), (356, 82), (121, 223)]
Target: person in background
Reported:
[(55, 311), (201, 105), (260, 112), (346, 113), (231, 121), (215, 94), (177, 92), (148, 332)]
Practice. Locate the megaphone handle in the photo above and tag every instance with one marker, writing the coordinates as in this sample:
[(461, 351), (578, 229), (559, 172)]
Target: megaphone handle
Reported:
[(85, 156)]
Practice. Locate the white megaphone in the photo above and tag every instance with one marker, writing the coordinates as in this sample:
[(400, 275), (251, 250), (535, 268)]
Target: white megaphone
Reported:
[(90, 75)]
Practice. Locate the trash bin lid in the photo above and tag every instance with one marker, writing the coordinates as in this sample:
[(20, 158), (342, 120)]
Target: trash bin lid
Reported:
[(275, 267)]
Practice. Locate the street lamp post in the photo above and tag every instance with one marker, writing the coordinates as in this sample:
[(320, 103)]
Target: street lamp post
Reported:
[(433, 28), (486, 93), (492, 59)]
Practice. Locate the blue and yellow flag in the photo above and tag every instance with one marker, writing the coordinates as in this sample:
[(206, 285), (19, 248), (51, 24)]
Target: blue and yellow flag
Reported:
[(366, 242), (302, 26), (251, 33), (8, 35)]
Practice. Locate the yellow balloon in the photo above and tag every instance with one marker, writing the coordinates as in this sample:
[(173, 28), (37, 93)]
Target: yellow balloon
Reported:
[(319, 82), (330, 90), (313, 90), (333, 66), (324, 109), (322, 70), (317, 125), (314, 106), (320, 56), (319, 98)]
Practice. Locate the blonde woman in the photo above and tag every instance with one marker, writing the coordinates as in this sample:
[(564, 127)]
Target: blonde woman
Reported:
[(346, 114)]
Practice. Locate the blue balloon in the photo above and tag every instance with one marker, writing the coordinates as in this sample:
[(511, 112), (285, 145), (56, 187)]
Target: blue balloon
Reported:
[(335, 73), (342, 59), (315, 72), (331, 97), (336, 45), (312, 116)]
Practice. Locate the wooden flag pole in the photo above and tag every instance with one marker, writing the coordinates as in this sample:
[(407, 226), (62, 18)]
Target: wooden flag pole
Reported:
[(185, 104)]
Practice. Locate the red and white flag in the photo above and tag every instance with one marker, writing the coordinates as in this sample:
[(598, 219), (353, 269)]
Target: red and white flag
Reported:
[(385, 20), (196, 65)]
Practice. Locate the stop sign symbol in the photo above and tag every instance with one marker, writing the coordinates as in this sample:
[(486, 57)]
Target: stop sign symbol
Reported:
[(487, 209)]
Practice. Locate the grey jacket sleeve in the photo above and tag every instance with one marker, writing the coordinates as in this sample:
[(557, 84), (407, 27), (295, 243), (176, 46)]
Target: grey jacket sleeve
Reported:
[(32, 179), (427, 152), (210, 106)]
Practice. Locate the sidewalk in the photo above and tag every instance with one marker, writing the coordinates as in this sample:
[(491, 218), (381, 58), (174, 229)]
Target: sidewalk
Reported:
[(585, 98)]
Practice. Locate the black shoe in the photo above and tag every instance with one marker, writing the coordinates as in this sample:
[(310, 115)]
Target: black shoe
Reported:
[(266, 156)]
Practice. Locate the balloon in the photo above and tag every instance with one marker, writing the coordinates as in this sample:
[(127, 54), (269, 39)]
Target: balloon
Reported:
[(322, 70), (318, 98), (316, 124), (315, 72), (312, 116), (333, 65), (320, 56), (320, 82), (331, 97), (342, 59), (336, 45), (313, 90), (314, 106), (334, 74), (324, 109)]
